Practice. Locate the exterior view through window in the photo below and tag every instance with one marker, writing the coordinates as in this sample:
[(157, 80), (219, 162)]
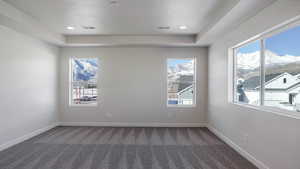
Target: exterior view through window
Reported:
[(247, 73), (279, 66), (84, 81), (181, 81)]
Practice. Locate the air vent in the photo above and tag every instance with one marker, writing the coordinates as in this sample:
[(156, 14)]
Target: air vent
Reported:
[(89, 27), (113, 2), (163, 27)]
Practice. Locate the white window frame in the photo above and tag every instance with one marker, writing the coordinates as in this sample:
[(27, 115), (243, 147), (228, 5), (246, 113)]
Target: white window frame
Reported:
[(71, 103), (261, 70), (194, 86), (232, 70)]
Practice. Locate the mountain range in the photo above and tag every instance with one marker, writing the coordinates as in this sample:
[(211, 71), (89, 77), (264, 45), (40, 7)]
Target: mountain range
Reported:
[(178, 70), (252, 60), (84, 69), (248, 66)]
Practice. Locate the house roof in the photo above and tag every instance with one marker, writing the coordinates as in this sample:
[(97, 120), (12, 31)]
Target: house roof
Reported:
[(293, 86), (185, 81), (269, 79), (186, 89), (286, 89), (277, 77), (253, 82), (273, 79)]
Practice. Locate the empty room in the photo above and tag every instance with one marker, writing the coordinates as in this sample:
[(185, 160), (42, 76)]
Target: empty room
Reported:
[(150, 84)]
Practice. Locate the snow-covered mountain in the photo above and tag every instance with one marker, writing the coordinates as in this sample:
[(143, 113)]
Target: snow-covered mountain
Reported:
[(248, 60), (84, 69), (174, 72), (252, 60)]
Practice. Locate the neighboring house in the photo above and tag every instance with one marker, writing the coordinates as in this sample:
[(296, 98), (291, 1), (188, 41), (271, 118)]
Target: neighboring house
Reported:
[(182, 91), (282, 82), (280, 90), (186, 95), (185, 81)]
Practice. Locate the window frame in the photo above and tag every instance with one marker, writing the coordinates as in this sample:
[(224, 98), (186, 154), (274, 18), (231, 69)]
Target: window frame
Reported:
[(194, 83), (232, 70), (71, 103)]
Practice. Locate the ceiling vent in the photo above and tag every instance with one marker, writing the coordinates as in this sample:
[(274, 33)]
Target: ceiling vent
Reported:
[(88, 27), (113, 2), (163, 27)]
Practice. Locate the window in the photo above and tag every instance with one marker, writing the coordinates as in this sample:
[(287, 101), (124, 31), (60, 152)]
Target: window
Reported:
[(282, 64), (267, 71), (181, 81), (247, 73), (84, 81)]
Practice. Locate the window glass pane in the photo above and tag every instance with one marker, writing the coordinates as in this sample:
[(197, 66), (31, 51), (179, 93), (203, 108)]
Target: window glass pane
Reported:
[(84, 80), (247, 73), (181, 81), (282, 70)]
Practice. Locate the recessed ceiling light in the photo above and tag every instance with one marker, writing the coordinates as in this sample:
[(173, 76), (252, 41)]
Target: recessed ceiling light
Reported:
[(70, 28), (183, 27)]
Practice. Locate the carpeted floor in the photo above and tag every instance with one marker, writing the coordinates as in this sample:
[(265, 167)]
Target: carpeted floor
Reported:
[(123, 148)]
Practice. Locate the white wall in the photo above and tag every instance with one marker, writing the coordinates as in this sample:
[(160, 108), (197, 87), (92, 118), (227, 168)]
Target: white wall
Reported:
[(133, 87), (270, 138), (28, 88)]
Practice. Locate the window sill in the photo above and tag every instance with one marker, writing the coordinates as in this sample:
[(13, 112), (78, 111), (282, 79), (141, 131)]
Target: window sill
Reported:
[(274, 110), (181, 106), (83, 105)]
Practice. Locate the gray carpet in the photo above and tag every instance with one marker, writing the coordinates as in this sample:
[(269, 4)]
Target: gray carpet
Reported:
[(123, 148)]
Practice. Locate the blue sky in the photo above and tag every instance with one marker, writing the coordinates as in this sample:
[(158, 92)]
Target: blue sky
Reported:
[(285, 43), (250, 48), (174, 62)]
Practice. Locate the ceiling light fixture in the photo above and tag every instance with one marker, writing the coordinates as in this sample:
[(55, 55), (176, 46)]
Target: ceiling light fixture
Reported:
[(70, 28), (183, 27)]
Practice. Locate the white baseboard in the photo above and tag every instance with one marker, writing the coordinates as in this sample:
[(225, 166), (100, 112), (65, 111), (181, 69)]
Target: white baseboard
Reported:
[(237, 148), (26, 137), (123, 124)]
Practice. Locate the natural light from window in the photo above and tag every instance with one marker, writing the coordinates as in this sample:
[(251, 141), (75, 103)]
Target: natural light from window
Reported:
[(84, 81), (247, 74), (181, 81), (280, 71)]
